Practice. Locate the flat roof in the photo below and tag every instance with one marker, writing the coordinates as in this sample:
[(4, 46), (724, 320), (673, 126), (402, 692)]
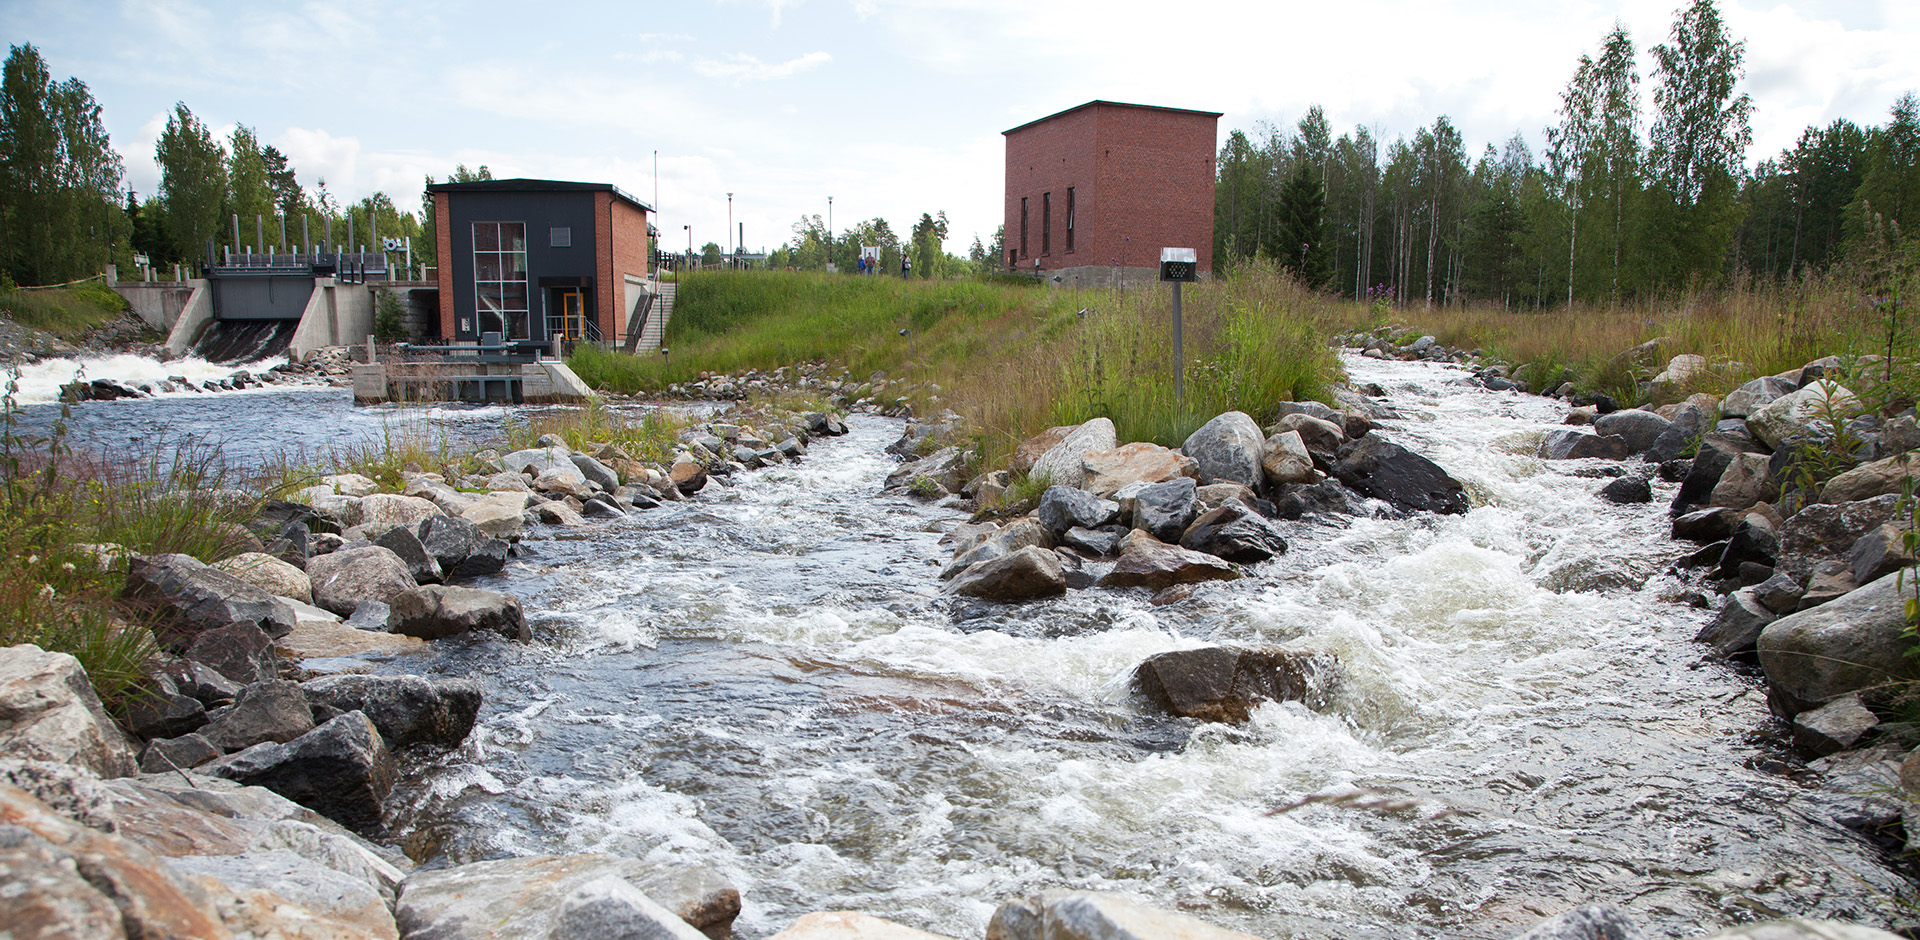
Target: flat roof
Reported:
[(535, 186), (1112, 104)]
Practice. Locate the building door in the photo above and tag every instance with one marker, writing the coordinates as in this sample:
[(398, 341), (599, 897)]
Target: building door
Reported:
[(568, 320)]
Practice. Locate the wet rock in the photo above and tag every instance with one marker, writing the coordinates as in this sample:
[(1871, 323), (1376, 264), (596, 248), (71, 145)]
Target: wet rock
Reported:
[(460, 548), (1736, 629), (1235, 533), (270, 574), (1227, 449), (1064, 463), (422, 566), (239, 652), (192, 597), (1222, 684), (509, 898), (407, 710), (1156, 566), (1318, 499), (1827, 531), (1882, 551), (1753, 541), (1849, 644), (1284, 459), (948, 467), (1565, 444), (443, 610), (164, 755), (1138, 462), (821, 424), (1780, 593), (1796, 929), (1838, 725), (343, 579), (1593, 922), (1374, 466), (1099, 542), (341, 770), (1706, 525), (1709, 462), (850, 925), (275, 710), (1024, 573), (1064, 507), (687, 475), (1639, 429), (49, 712), (1165, 510), (1627, 490), (1319, 435), (1090, 915)]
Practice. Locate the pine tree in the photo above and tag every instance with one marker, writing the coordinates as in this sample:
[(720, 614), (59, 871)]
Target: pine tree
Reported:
[(1301, 246)]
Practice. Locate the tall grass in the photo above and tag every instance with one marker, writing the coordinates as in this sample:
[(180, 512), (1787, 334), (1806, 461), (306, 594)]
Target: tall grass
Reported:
[(66, 312), (650, 437)]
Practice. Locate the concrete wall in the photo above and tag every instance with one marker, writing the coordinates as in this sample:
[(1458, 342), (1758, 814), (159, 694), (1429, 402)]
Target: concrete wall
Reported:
[(336, 315), (158, 303), (196, 314), (272, 297)]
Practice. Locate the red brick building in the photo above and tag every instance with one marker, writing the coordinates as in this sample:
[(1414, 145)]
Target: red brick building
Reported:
[(1094, 192), (535, 260)]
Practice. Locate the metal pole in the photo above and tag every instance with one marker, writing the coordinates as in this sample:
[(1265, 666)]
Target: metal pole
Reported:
[(236, 231), (1179, 357), (283, 233), (729, 258), (829, 230), (306, 237)]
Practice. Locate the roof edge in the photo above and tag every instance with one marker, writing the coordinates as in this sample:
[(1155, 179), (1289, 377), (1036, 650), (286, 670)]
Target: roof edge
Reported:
[(1111, 104), (525, 185)]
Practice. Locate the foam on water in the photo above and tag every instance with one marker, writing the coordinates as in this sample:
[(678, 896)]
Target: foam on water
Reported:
[(40, 382)]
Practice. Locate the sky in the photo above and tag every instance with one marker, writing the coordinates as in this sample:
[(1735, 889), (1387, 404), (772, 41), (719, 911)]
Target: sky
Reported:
[(888, 108)]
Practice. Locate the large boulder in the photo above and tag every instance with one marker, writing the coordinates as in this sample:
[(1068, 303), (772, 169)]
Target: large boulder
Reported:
[(1756, 394), (1234, 532), (241, 652), (1026, 572), (443, 610), (1065, 463), (1802, 413), (1138, 462), (948, 467), (192, 597), (1746, 481), (407, 710), (1092, 915), (1321, 436), (1227, 449), (1736, 629), (1165, 510), (1640, 429), (538, 459), (1374, 466), (1064, 507), (383, 511), (1284, 459), (1715, 452), (1827, 531), (342, 580), (269, 574), (1879, 478), (274, 710), (49, 712), (1569, 444), (422, 566), (1217, 683), (1671, 384), (460, 548), (1846, 645), (502, 515), (1149, 563), (1032, 449), (1592, 922), (1689, 420), (341, 770), (567, 896)]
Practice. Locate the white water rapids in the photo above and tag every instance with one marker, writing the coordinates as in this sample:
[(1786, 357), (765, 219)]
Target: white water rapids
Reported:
[(767, 680)]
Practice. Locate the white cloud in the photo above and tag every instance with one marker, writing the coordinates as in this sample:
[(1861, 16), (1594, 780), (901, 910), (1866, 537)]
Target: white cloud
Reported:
[(741, 67)]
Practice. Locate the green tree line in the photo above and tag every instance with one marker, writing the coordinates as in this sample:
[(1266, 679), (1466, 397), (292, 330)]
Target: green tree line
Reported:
[(813, 248), (1623, 205)]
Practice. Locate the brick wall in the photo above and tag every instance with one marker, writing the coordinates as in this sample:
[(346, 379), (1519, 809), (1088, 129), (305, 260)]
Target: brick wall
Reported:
[(1142, 179), (443, 269), (629, 257)]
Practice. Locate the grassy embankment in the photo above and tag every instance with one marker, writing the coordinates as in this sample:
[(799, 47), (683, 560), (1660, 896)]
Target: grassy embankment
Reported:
[(1012, 357), (66, 312)]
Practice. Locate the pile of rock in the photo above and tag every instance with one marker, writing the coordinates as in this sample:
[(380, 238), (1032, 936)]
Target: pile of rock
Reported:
[(1143, 515), (113, 389), (1404, 345)]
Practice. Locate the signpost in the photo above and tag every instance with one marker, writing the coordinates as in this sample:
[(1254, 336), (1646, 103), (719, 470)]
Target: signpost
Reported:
[(1179, 265)]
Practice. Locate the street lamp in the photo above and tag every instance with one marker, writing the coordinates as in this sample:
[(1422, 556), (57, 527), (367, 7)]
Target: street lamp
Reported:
[(689, 229), (729, 229)]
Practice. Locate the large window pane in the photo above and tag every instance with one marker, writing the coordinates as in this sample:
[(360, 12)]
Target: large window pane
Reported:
[(487, 296), (490, 322), (486, 236), (486, 267), (513, 295), (513, 236), (517, 324), (514, 266)]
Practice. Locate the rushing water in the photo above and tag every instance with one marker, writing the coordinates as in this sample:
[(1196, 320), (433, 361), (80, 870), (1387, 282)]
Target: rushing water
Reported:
[(767, 680)]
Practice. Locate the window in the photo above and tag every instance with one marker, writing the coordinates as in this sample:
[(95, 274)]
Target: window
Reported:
[(1023, 226), (1046, 224), (500, 278), (560, 236), (1069, 220)]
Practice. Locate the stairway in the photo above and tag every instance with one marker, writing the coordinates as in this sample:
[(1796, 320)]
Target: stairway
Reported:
[(656, 328)]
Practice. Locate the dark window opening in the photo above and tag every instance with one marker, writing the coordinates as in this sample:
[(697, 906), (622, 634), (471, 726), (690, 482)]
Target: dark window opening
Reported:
[(1023, 226), (1046, 224), (1069, 220), (560, 236)]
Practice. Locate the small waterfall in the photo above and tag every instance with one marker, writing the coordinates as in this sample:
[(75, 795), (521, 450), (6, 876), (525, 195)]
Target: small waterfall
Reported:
[(244, 341)]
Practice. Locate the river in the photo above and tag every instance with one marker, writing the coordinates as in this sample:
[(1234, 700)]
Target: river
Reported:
[(767, 680)]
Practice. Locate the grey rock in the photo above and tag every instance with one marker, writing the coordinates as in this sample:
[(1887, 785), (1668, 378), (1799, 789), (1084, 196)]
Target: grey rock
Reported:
[(275, 710), (1780, 593), (339, 900), (421, 565), (562, 896), (1881, 551), (609, 907), (1318, 499), (49, 712), (192, 597), (1846, 645), (947, 466), (162, 711), (1569, 444), (539, 460), (1640, 429), (1312, 409), (1736, 629), (1218, 683), (1089, 915), (1165, 510), (597, 473), (165, 755), (200, 681), (1593, 922), (1227, 449), (1064, 463), (1827, 532), (1064, 507), (1837, 726), (1156, 566), (1709, 462), (443, 610), (1102, 541), (460, 548), (341, 770), (1627, 490), (1829, 581), (1028, 572), (1795, 929), (1702, 526), (1321, 436), (407, 710), (240, 652), (1374, 466), (1754, 395), (1234, 532), (343, 579)]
